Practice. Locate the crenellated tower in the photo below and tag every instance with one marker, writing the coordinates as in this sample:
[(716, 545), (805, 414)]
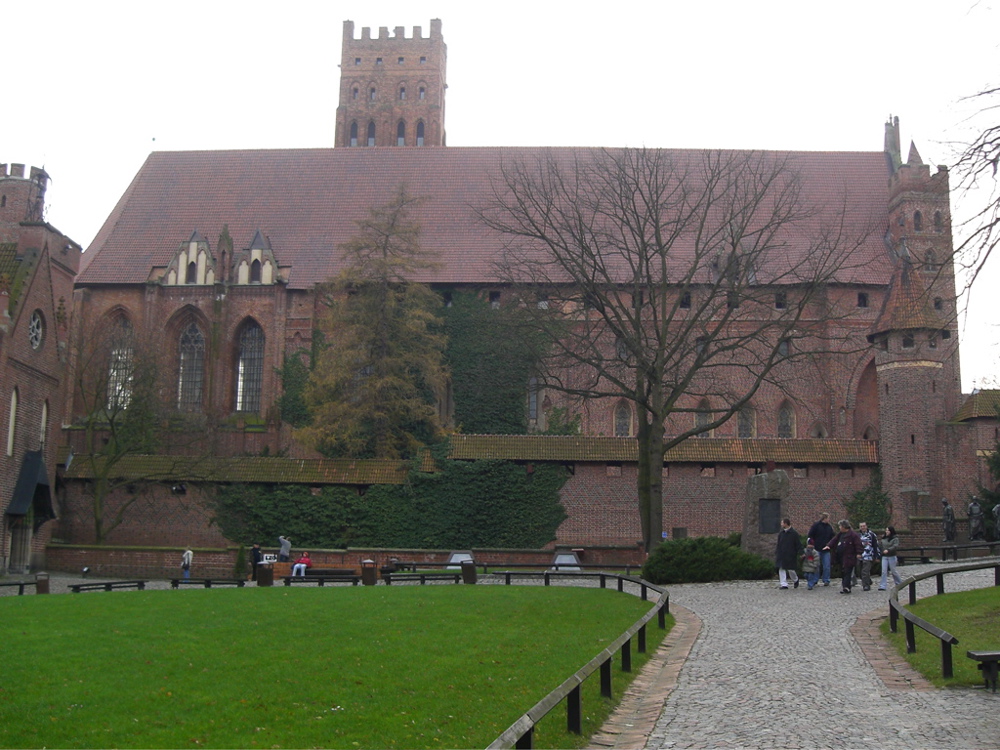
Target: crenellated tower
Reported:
[(915, 335), (392, 88)]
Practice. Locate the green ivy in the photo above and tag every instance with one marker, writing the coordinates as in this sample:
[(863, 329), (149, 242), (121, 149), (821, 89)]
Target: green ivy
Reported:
[(294, 376), (870, 505), (491, 358), (464, 505)]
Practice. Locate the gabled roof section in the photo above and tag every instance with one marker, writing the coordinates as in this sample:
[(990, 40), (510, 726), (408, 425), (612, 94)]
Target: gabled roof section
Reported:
[(908, 305), (310, 200), (696, 450), (981, 404)]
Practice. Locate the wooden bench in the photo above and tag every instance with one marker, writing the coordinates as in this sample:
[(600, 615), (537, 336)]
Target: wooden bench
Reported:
[(206, 582), (76, 588), (422, 577), (321, 579), (20, 585), (989, 665)]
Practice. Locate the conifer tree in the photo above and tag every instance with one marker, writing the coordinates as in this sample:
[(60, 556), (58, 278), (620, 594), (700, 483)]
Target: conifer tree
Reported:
[(380, 372)]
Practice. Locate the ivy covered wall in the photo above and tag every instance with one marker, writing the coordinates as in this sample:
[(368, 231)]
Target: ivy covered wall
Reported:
[(465, 504)]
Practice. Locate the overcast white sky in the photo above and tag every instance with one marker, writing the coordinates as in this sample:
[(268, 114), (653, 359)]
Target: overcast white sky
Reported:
[(92, 87)]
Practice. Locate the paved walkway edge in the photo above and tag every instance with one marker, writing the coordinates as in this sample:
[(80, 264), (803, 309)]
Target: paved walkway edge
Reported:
[(629, 726), (890, 666)]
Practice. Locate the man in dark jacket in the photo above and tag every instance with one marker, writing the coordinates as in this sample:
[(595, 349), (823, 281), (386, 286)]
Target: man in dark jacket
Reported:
[(821, 533), (848, 544), (786, 554)]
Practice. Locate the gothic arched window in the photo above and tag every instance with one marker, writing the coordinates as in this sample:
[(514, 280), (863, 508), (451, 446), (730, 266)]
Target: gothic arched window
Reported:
[(420, 134), (255, 272), (401, 134), (746, 423), (191, 369), (786, 421), (354, 134), (250, 368), (371, 132), (121, 365), (702, 417), (623, 420), (192, 273)]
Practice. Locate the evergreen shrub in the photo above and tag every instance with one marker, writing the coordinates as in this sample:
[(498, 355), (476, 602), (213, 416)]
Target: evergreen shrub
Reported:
[(703, 559)]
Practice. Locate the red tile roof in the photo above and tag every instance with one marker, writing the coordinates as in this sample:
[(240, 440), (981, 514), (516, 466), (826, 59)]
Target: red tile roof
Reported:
[(308, 200), (984, 403), (908, 305)]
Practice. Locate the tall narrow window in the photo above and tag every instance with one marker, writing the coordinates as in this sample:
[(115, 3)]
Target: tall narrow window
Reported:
[(746, 423), (685, 301), (11, 422), (938, 222), (786, 421), (191, 375), (255, 272), (121, 366), (371, 94), (354, 134), (623, 420), (533, 399), (918, 221), (401, 134), (422, 93), (354, 93), (420, 134), (402, 93), (701, 419), (371, 133), (43, 428), (192, 273), (250, 368)]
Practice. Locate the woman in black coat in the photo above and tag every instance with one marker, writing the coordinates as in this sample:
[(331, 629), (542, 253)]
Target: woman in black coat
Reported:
[(848, 546), (786, 554)]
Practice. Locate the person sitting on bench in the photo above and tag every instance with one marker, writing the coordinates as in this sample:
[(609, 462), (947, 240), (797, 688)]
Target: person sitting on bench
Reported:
[(299, 569)]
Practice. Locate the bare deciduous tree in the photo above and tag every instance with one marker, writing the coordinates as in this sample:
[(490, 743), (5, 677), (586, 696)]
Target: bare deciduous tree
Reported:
[(674, 280)]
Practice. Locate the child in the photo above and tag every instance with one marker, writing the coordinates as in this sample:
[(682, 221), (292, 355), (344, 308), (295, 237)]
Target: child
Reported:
[(810, 564)]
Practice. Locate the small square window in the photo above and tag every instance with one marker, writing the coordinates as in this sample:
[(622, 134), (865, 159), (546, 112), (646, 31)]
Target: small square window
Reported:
[(932, 342), (862, 299), (780, 301), (357, 60), (908, 342), (946, 334), (378, 60), (614, 470), (685, 303), (800, 471), (784, 347), (708, 470), (495, 300), (423, 60), (938, 303), (399, 61)]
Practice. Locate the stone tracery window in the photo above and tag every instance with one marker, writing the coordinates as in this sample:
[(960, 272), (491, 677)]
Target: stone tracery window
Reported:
[(786, 421), (36, 330), (191, 370), (250, 368), (121, 365)]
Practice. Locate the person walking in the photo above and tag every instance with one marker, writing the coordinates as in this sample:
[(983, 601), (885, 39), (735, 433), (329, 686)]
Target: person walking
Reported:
[(848, 545), (786, 554), (869, 554), (821, 533), (186, 559), (285, 551), (889, 544), (811, 564), (256, 557)]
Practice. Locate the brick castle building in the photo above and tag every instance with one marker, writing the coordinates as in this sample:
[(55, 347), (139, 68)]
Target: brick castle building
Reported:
[(218, 255), (37, 267)]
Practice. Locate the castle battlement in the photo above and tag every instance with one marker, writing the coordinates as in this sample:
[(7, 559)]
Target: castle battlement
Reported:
[(398, 33), (35, 174)]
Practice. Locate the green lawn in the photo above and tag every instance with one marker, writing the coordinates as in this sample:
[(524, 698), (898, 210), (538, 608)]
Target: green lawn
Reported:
[(338, 667), (971, 616)]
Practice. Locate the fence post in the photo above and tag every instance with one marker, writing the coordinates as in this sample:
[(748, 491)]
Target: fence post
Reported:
[(627, 656), (644, 592), (574, 711), (911, 641), (913, 592), (940, 582), (606, 677), (893, 619), (526, 740), (642, 639), (946, 669)]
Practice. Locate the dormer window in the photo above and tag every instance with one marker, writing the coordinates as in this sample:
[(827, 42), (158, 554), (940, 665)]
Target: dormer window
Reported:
[(908, 341), (255, 272)]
